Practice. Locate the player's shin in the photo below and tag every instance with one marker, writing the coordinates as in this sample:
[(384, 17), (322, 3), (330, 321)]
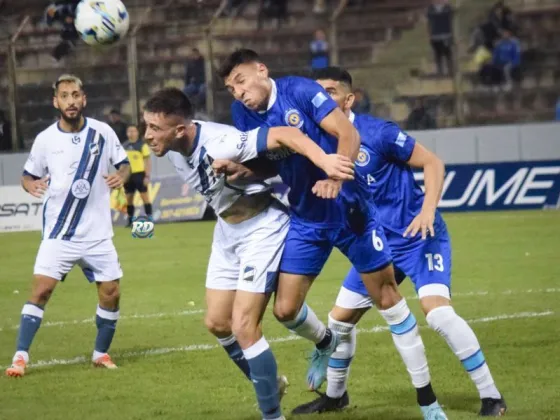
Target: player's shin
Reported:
[(462, 340), (306, 324), (339, 363), (235, 353), (264, 374), (31, 317), (106, 321), (408, 342)]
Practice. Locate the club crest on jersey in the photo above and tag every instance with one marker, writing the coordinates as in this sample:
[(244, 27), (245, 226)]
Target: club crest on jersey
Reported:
[(81, 188), (76, 139), (293, 118), (363, 157), (94, 149), (249, 273)]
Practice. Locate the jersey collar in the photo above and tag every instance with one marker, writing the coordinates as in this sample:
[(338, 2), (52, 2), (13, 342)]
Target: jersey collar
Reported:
[(273, 96), (352, 117)]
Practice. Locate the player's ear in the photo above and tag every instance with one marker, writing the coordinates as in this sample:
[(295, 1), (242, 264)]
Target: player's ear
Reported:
[(180, 130), (55, 102), (84, 101), (262, 70), (350, 98)]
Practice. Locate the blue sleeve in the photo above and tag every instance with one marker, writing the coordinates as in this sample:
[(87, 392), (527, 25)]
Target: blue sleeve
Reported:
[(395, 143), (516, 54), (312, 99), (238, 116)]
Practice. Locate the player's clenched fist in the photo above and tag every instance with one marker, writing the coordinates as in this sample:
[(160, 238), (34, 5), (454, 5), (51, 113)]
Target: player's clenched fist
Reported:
[(338, 167), (37, 187), (114, 180)]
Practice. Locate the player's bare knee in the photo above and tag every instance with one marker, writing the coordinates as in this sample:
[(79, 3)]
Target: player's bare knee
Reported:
[(218, 327), (246, 329), (41, 294), (389, 297), (109, 295), (348, 316), (285, 310)]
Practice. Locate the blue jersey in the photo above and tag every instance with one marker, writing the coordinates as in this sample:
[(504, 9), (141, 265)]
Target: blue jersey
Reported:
[(302, 103), (383, 157)]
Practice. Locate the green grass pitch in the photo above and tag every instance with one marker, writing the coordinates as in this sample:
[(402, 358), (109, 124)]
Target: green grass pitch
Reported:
[(506, 272)]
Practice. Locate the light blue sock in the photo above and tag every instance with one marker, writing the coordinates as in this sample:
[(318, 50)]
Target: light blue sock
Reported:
[(235, 353), (31, 317), (264, 374), (106, 321)]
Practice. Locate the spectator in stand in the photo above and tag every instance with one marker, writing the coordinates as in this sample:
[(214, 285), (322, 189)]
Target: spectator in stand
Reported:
[(507, 60), (440, 25), (362, 104), (5, 132), (195, 78), (319, 48), (420, 118), (501, 17), (320, 7), (272, 9), (118, 125), (63, 12)]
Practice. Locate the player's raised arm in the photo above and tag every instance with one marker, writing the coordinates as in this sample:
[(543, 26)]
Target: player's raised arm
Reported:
[(324, 111), (35, 172), (336, 166), (399, 146)]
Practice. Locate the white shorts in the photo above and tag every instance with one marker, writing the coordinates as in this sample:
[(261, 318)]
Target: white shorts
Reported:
[(349, 299), (98, 259), (246, 256)]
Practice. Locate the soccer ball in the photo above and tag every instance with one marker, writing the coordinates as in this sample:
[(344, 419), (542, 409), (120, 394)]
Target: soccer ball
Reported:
[(101, 22)]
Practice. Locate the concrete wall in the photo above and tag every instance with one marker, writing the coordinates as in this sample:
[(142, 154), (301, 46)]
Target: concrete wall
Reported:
[(506, 143)]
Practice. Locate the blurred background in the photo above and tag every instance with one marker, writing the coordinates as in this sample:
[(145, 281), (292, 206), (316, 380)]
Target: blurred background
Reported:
[(423, 63)]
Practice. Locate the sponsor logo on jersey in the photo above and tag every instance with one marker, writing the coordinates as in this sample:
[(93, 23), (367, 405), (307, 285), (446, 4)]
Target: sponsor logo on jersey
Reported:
[(319, 99), (81, 188), (293, 118), (76, 139), (401, 139), (363, 157)]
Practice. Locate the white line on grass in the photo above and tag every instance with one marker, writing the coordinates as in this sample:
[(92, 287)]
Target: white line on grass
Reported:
[(199, 311), (292, 337)]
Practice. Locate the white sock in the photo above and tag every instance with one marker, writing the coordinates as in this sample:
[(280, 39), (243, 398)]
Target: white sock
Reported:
[(339, 363), (307, 325), (23, 354), (96, 355), (405, 334), (462, 340)]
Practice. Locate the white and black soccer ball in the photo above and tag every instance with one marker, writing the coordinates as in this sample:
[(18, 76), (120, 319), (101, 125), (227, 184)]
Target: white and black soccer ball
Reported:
[(101, 22)]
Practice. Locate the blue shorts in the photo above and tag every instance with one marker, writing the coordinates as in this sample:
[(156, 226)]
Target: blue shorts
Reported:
[(308, 247), (426, 262)]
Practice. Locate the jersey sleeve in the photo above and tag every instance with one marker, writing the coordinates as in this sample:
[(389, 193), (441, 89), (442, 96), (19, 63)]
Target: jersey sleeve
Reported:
[(36, 164), (395, 143), (116, 153), (145, 151), (242, 146), (313, 100)]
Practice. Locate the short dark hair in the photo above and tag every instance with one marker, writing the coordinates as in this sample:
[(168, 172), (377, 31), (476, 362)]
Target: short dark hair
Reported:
[(337, 74), (170, 101), (241, 56)]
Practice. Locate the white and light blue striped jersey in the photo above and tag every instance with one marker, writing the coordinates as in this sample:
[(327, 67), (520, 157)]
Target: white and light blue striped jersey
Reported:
[(218, 141), (76, 206)]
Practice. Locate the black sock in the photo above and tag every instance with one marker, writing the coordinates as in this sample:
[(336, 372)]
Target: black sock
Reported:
[(425, 396), (326, 341), (130, 212), (148, 209)]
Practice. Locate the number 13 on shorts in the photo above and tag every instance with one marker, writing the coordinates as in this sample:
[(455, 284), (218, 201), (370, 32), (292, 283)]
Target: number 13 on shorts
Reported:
[(435, 262)]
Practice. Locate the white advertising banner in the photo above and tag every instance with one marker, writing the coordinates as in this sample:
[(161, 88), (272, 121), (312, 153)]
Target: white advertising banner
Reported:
[(19, 211)]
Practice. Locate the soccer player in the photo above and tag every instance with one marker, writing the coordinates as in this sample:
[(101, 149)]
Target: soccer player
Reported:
[(250, 232), (419, 242), (141, 168), (69, 165), (317, 225)]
